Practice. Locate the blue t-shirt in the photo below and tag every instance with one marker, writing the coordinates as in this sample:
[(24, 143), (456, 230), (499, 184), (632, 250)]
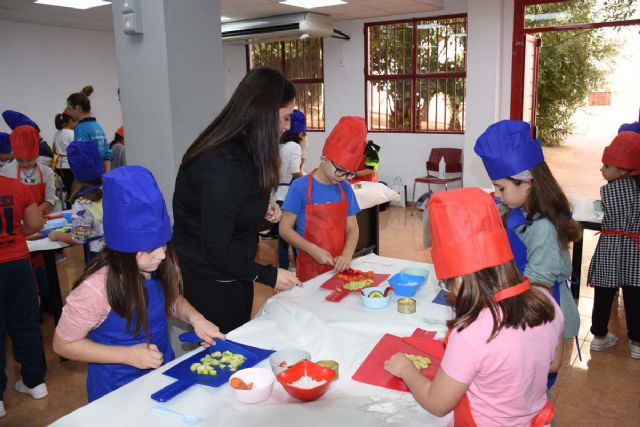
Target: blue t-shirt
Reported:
[(90, 130), (296, 199)]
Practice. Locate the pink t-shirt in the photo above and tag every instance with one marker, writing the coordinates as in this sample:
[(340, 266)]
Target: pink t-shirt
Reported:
[(87, 306), (507, 377)]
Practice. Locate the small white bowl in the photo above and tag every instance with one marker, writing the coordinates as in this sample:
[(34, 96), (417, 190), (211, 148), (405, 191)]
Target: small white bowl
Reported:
[(284, 359), (262, 379)]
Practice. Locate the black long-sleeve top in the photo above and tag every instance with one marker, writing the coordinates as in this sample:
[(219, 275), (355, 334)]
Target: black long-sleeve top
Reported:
[(217, 206)]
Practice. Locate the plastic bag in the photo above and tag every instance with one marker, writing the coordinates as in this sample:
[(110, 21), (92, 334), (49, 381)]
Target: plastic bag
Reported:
[(399, 188)]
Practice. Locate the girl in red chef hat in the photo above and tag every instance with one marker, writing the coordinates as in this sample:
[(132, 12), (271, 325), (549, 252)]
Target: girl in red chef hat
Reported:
[(506, 335), (322, 205), (616, 261)]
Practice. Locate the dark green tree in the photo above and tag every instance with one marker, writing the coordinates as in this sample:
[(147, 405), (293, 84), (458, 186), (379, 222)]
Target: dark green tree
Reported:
[(573, 63)]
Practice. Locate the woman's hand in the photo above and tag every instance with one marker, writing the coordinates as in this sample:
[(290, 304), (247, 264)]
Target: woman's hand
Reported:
[(398, 365), (341, 263), (144, 356), (274, 213), (286, 280), (322, 256), (206, 330)]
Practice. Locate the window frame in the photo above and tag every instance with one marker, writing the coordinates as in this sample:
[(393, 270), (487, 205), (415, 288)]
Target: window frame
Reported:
[(413, 76), (296, 81)]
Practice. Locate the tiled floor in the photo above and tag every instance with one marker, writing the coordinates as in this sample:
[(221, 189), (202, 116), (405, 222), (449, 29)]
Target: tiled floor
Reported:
[(601, 390)]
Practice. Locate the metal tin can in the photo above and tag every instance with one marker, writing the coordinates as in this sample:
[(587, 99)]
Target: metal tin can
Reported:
[(331, 364), (407, 305)]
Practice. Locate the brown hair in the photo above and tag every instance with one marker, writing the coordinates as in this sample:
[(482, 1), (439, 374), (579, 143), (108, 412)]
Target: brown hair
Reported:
[(547, 199), (94, 195), (81, 98), (251, 117), (529, 309), (126, 292)]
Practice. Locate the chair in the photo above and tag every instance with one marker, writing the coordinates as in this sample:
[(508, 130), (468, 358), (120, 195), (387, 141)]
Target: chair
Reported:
[(453, 160)]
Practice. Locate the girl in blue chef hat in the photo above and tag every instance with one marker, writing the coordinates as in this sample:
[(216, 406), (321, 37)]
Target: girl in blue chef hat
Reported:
[(5, 149), (116, 316), (535, 211), (86, 166)]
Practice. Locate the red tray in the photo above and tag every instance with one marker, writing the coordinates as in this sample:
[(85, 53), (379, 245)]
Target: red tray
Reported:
[(336, 285), (372, 371)]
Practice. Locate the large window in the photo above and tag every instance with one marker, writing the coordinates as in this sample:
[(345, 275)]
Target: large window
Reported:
[(415, 75), (301, 61)]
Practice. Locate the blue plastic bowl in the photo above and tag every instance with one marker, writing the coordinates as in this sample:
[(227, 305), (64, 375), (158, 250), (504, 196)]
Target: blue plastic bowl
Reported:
[(406, 285), (375, 303), (68, 216)]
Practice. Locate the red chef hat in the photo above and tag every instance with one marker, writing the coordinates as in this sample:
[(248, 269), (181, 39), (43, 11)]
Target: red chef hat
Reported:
[(345, 145), (24, 142), (624, 152), (467, 233)]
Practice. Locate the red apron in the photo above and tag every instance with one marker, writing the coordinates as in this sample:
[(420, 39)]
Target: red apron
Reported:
[(325, 225), (462, 416)]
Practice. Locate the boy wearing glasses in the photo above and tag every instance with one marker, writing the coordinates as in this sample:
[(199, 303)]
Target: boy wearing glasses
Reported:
[(319, 212)]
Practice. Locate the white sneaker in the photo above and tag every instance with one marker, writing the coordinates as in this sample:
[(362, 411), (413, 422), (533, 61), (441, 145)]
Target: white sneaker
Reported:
[(599, 344), (2, 411), (634, 350), (38, 392)]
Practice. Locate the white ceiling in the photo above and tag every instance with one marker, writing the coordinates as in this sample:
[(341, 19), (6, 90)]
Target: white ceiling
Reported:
[(100, 18)]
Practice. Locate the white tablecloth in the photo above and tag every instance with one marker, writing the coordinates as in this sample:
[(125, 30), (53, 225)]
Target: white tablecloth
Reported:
[(301, 318), (373, 193), (583, 209)]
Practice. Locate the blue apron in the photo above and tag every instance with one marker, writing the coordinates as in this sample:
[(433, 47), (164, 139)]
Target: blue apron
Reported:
[(515, 219), (103, 378)]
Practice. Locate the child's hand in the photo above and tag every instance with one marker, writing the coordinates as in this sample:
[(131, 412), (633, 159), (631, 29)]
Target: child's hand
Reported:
[(56, 235), (143, 356), (207, 331), (341, 263), (399, 365), (322, 256)]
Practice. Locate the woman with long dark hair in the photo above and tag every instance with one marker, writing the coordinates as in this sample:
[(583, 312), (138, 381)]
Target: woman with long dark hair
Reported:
[(222, 193)]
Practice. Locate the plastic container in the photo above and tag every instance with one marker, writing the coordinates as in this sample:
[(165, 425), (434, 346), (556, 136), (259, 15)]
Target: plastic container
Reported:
[(406, 285), (284, 359), (331, 364), (375, 303), (309, 369), (262, 379), (68, 216), (55, 223)]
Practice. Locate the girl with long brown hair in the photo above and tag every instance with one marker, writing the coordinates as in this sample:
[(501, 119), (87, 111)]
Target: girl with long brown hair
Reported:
[(116, 316), (507, 333)]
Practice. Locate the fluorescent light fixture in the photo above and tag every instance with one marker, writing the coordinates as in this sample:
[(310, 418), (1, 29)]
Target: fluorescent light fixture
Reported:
[(74, 4), (548, 16), (224, 19), (312, 4)]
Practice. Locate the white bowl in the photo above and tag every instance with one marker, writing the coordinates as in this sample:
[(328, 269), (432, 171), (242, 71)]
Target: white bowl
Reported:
[(262, 379), (284, 359)]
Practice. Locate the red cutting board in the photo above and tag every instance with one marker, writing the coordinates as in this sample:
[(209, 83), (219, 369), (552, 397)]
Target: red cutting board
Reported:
[(334, 282), (372, 369)]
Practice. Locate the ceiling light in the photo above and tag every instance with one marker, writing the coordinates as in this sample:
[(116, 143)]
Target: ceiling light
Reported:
[(224, 19), (74, 4), (312, 4)]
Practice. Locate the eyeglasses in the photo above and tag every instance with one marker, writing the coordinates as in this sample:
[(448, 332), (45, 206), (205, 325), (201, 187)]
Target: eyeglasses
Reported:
[(340, 173), (443, 285)]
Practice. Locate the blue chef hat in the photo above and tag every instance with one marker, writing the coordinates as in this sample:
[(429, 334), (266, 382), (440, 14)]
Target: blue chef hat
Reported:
[(298, 122), (135, 215), (5, 143), (15, 119), (631, 127), (507, 149), (84, 160)]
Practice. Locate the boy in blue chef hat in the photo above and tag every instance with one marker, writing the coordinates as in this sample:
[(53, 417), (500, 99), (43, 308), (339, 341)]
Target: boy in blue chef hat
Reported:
[(116, 316), (15, 119), (297, 132), (535, 210), (5, 149), (86, 166)]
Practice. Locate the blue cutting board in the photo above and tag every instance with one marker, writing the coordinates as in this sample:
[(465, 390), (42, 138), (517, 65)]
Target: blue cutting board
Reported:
[(185, 378)]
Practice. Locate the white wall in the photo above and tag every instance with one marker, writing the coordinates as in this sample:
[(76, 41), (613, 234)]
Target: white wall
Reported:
[(404, 155), (41, 65)]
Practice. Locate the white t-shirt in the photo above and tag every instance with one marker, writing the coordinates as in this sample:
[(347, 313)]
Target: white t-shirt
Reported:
[(61, 141), (289, 164)]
